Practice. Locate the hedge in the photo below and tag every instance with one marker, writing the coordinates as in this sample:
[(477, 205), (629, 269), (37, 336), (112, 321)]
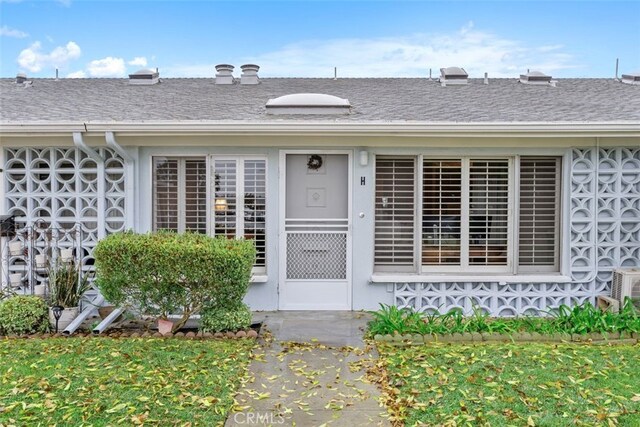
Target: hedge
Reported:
[(165, 272)]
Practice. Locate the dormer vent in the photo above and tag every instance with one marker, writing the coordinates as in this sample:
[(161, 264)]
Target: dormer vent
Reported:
[(308, 103), (536, 78), (21, 78), (453, 76), (224, 74), (249, 74), (145, 76), (631, 79)]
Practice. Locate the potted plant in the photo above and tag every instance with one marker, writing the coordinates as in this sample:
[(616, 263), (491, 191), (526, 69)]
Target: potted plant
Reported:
[(67, 285)]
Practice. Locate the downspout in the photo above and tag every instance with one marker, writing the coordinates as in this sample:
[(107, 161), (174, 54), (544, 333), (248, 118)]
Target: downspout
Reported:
[(101, 203), (130, 187)]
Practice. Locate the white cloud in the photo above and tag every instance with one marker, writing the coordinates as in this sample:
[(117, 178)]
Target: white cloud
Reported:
[(12, 32), (33, 59), (139, 60), (77, 75), (476, 50), (65, 3), (107, 67)]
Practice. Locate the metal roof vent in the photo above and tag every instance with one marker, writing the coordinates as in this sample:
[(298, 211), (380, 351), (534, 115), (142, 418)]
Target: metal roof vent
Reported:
[(536, 78), (249, 74), (145, 76), (308, 103), (631, 79), (21, 78), (224, 74), (453, 76)]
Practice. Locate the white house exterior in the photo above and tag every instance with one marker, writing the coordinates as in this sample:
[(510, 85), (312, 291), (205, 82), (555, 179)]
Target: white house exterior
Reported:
[(515, 195)]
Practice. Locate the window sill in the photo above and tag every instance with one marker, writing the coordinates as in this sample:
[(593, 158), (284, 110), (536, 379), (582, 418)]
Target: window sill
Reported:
[(501, 278), (259, 278)]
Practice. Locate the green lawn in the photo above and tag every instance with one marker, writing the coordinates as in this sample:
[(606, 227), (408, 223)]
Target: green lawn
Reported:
[(103, 381), (520, 385)]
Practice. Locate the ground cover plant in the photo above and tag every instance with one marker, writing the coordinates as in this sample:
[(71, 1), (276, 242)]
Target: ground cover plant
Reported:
[(103, 381), (510, 384), (579, 319)]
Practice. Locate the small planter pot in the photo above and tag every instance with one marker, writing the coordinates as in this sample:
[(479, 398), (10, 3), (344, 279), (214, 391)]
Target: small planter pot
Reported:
[(165, 326), (15, 248), (66, 255), (41, 261), (15, 280), (39, 290), (68, 314)]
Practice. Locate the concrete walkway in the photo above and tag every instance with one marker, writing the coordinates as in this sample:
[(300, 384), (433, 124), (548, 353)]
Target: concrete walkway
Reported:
[(310, 373)]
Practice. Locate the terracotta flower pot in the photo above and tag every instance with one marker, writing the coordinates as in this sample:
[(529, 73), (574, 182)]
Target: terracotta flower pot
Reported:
[(165, 326), (39, 290), (15, 279), (15, 248), (41, 261), (68, 314), (66, 255)]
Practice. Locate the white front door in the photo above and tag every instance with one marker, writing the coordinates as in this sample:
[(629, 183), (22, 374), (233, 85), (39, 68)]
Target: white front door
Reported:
[(315, 244)]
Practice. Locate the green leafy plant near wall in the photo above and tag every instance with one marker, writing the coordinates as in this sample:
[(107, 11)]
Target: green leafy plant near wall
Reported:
[(23, 314), (164, 272), (579, 319)]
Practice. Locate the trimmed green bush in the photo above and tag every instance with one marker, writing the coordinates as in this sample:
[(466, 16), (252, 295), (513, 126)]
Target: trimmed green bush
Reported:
[(165, 272), (222, 318), (23, 314)]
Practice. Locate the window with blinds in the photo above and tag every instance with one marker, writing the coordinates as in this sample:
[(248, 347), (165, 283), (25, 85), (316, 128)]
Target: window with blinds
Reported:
[(180, 194), (441, 211), (488, 212), (240, 201), (539, 213), (395, 211)]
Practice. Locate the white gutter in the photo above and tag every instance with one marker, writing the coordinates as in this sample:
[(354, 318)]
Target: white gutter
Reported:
[(130, 188), (437, 129), (101, 190)]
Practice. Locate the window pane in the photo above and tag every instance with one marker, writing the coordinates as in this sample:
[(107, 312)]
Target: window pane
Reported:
[(224, 176), (441, 189), (488, 216), (255, 206), (395, 211), (196, 195), (165, 194), (539, 211)]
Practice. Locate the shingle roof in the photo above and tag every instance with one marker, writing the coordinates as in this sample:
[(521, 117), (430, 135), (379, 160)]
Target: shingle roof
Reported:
[(373, 100)]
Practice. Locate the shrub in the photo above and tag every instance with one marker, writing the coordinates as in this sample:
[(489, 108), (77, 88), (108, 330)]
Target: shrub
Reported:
[(224, 318), (165, 272), (23, 314)]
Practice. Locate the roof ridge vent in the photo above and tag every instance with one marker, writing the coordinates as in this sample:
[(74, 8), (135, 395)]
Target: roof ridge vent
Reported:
[(537, 78), (308, 103), (224, 74), (145, 76), (631, 79), (453, 76), (249, 74)]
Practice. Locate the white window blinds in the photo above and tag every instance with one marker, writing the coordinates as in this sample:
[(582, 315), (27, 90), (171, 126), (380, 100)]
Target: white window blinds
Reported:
[(180, 194), (539, 212), (395, 211)]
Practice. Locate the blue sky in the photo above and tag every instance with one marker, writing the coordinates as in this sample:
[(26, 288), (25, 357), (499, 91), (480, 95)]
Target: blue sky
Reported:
[(307, 39)]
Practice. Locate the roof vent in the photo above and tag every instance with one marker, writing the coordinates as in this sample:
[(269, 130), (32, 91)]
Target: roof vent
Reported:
[(144, 77), (308, 103), (453, 76), (536, 78), (249, 74), (21, 78), (631, 79), (224, 74)]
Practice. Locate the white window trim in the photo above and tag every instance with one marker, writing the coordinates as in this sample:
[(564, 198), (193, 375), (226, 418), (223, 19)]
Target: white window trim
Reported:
[(512, 273)]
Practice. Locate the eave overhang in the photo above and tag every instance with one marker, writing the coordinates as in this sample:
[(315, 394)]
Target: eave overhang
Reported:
[(408, 129)]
